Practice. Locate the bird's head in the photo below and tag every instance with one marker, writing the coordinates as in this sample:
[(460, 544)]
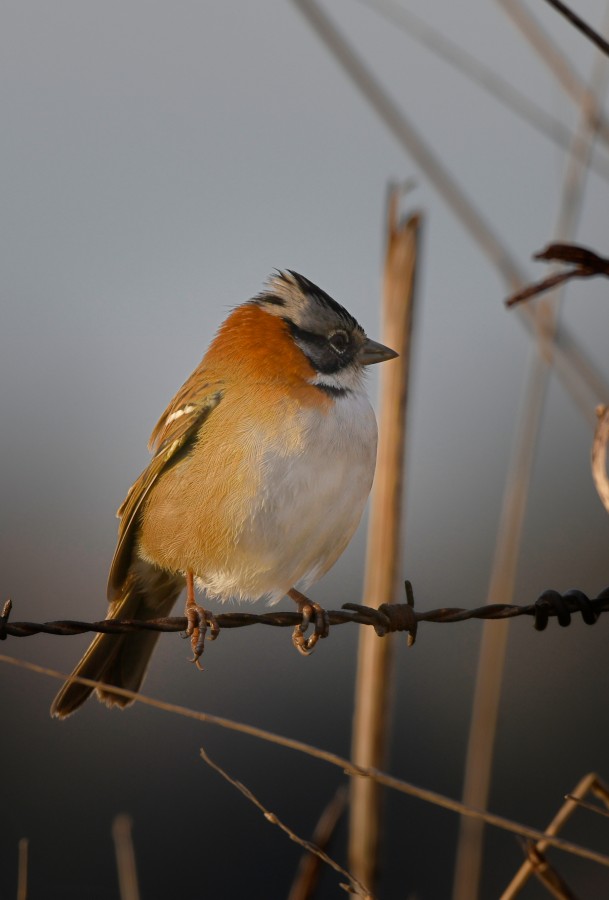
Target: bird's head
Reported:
[(331, 339)]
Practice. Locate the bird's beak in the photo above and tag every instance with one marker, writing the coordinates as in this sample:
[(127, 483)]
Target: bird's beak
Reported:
[(372, 352)]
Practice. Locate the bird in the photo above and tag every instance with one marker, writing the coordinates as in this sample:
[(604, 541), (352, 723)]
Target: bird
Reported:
[(262, 465)]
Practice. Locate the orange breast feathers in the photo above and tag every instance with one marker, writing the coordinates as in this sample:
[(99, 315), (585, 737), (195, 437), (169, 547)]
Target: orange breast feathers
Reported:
[(199, 506), (255, 345)]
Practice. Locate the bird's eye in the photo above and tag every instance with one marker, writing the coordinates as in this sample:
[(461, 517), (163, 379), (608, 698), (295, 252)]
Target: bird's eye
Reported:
[(339, 341)]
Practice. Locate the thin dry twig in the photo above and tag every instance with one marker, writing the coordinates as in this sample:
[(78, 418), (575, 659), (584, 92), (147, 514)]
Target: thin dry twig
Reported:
[(581, 25), (327, 756), (586, 264), (355, 885), (591, 807), (589, 784), (307, 875), (539, 287)]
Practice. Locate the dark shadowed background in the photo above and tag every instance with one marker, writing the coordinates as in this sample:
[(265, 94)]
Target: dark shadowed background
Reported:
[(158, 161)]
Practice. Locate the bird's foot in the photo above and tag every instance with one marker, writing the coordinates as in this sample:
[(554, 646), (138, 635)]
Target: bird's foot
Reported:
[(199, 620), (310, 612)]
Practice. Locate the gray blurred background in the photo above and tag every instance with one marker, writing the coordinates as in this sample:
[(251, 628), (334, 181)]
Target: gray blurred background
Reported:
[(158, 161)]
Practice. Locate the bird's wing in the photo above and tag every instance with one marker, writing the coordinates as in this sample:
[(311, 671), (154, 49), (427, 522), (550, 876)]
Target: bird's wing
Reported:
[(171, 440)]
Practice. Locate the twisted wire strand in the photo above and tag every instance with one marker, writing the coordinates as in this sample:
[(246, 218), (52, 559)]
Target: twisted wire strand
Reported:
[(388, 618)]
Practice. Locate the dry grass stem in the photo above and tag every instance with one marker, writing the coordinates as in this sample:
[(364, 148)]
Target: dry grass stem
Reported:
[(334, 759), (355, 886), (566, 76), (590, 784), (22, 867), (481, 75), (584, 383), (125, 857), (307, 875), (478, 768), (374, 680), (485, 705), (407, 135), (599, 455), (546, 874)]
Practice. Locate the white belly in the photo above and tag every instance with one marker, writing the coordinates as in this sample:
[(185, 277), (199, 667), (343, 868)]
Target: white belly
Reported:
[(311, 500)]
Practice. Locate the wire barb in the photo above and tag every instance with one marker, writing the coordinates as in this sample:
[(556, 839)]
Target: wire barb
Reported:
[(387, 619)]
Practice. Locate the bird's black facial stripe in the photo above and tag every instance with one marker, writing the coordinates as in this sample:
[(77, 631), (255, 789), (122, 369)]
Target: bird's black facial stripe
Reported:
[(323, 357), (306, 337)]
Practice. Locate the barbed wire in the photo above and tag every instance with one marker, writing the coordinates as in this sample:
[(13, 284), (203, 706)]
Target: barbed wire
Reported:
[(387, 619)]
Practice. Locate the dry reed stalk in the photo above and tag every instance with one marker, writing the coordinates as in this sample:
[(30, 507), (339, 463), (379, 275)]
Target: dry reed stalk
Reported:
[(383, 555), (407, 135), (125, 857), (487, 691), (23, 848), (547, 874), (484, 77), (589, 784), (489, 676), (584, 383), (558, 64)]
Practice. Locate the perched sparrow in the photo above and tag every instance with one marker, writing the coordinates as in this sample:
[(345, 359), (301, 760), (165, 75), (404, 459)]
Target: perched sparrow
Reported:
[(262, 465)]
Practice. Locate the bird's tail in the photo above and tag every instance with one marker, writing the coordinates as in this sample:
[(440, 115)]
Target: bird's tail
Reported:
[(122, 659)]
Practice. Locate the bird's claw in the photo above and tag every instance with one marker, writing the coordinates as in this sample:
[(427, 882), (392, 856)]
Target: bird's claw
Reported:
[(310, 612), (199, 620)]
